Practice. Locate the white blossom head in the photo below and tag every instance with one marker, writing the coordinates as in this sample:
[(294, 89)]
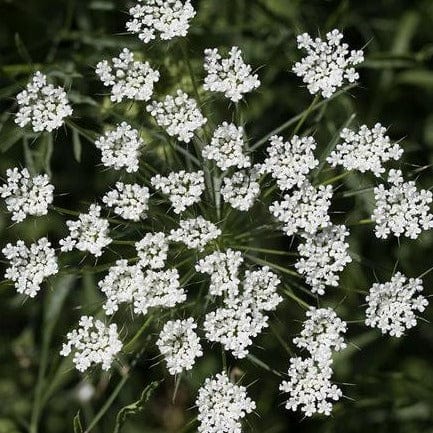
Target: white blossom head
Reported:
[(152, 250), (121, 148), (328, 64), (25, 194), (128, 78), (178, 115), (91, 343), (179, 345), (241, 189), (88, 233), (229, 75), (30, 265), (392, 306), (166, 19), (222, 405), (42, 105)]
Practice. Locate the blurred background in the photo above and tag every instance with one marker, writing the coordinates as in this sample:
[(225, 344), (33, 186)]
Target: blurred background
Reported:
[(388, 382)]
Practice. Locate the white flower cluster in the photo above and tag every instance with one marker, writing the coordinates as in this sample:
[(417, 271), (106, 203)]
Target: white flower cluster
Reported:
[(120, 148), (306, 209), (92, 343), (289, 162), (166, 18), (128, 78), (195, 233), (179, 115), (179, 345), (222, 405), (231, 75), (309, 387), (227, 147), (327, 63), (241, 189), (29, 266), (392, 305), (130, 201), (401, 209), (365, 150), (323, 256), (88, 233), (26, 194), (183, 188), (42, 105), (152, 250)]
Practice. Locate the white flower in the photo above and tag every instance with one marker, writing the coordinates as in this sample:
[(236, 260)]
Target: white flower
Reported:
[(227, 147), (327, 64), (195, 233), (88, 233), (179, 115), (128, 78), (289, 162), (365, 150), (42, 105), (401, 209), (92, 343), (165, 18), (222, 405), (130, 201), (323, 256), (183, 188), (223, 268), (322, 334), (121, 284), (241, 189), (29, 266), (152, 250), (179, 345), (306, 209), (392, 305), (309, 387), (160, 289), (26, 195), (230, 75), (120, 148)]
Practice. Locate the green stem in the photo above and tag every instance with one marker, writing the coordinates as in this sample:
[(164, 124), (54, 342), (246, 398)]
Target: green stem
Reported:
[(307, 112)]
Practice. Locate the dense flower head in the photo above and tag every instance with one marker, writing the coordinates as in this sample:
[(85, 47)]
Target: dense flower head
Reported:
[(26, 194), (179, 345), (222, 405), (92, 342), (289, 162), (195, 233), (179, 115), (241, 189), (401, 209), (130, 201), (152, 250), (230, 75), (309, 387), (227, 147), (304, 209), (323, 256), (365, 150), (166, 19), (322, 334), (328, 64), (88, 233), (392, 306), (128, 78), (30, 265), (121, 148), (121, 284), (42, 105), (183, 188)]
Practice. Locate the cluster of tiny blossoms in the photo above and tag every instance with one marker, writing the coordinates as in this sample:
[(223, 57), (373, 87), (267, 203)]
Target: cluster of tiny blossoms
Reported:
[(241, 189)]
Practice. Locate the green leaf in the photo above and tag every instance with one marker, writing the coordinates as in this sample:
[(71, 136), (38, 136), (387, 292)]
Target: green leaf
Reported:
[(10, 134), (418, 77), (76, 143), (135, 407), (78, 428)]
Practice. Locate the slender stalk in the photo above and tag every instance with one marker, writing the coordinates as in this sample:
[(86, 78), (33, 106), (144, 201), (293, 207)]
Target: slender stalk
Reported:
[(305, 115)]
